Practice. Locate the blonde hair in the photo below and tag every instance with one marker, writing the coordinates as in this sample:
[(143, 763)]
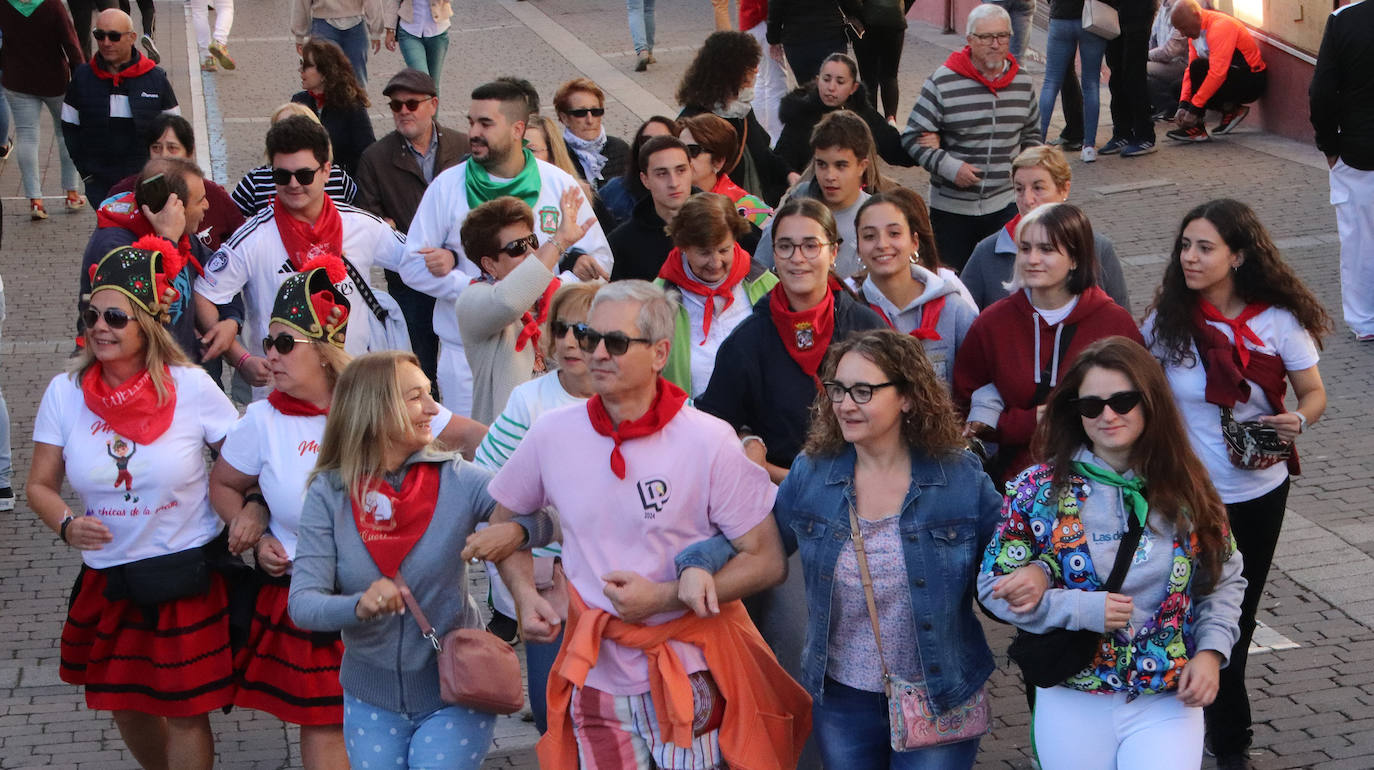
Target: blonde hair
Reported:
[(333, 357), (160, 350), (1048, 157), (294, 109), (570, 298), (367, 418), (553, 137)]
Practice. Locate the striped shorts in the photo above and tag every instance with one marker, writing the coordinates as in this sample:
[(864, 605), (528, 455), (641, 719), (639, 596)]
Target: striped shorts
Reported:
[(620, 732)]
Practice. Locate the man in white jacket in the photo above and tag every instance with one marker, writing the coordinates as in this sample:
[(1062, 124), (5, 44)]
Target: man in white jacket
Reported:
[(435, 262)]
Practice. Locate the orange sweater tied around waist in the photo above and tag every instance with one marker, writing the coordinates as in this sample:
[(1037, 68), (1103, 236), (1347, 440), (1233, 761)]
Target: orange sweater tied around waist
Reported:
[(767, 714)]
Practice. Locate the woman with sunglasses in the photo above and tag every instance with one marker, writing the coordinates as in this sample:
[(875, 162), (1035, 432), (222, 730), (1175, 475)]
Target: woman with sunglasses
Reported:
[(580, 103), (147, 628), (1234, 326), (1055, 297), (713, 148), (503, 311), (255, 190), (386, 511), (1117, 469), (332, 91)]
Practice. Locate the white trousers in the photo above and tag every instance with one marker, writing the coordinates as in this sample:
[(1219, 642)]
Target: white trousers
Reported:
[(1352, 193), (200, 19), (455, 378), (1081, 731), (770, 84)]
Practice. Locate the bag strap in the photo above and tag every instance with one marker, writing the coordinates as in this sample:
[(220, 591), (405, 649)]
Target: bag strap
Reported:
[(867, 579), (365, 291), (426, 630), (743, 137), (1124, 553)]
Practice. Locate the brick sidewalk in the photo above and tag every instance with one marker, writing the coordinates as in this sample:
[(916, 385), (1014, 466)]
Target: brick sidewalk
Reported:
[(1312, 701)]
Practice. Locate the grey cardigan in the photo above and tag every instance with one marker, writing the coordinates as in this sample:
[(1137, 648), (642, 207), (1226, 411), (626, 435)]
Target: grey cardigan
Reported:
[(386, 661)]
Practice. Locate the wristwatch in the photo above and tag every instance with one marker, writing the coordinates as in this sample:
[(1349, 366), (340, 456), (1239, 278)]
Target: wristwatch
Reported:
[(1302, 421), (62, 529)]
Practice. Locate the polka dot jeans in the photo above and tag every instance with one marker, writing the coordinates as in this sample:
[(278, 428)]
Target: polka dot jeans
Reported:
[(450, 738)]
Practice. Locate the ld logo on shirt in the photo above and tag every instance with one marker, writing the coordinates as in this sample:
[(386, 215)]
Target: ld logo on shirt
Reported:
[(653, 495)]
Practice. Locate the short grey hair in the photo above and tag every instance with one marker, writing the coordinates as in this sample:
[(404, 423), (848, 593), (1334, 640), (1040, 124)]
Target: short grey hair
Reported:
[(657, 311), (985, 11)]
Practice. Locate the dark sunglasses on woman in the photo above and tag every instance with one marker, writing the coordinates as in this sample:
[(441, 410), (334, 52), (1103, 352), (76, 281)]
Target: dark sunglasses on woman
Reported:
[(282, 177), (560, 329), (284, 343), (595, 112), (693, 150), (1122, 403), (616, 342), (114, 317), (520, 246)]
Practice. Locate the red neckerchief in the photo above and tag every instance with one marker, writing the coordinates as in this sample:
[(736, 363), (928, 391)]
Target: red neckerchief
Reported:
[(393, 521), (294, 407), (319, 100), (130, 408), (668, 401), (674, 273), (1011, 227), (806, 335), (1240, 328), (122, 212), (141, 65), (533, 321), (304, 241), (962, 63)]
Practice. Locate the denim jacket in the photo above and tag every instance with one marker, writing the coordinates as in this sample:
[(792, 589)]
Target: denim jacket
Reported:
[(950, 512)]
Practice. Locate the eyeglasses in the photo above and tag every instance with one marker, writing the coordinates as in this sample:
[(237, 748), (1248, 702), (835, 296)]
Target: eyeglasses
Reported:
[(520, 246), (1122, 403), (284, 343), (410, 105), (114, 317), (809, 248), (101, 35), (560, 329), (595, 112), (991, 37), (693, 150), (616, 342), (861, 392), (282, 177)]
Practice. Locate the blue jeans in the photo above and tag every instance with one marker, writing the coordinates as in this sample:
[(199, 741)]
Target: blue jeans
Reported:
[(851, 729), (5, 120), (1067, 38), (27, 111), (5, 467), (450, 738), (641, 13), (425, 54), (353, 41), (538, 663), (1021, 12)]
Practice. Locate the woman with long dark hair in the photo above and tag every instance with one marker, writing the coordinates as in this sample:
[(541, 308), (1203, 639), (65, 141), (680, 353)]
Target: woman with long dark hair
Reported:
[(836, 87), (1116, 472), (333, 92), (622, 193), (1234, 326)]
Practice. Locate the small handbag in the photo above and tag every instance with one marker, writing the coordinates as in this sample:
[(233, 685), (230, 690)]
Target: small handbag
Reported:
[(476, 668), (1101, 19), (1252, 445), (1049, 658), (913, 722)]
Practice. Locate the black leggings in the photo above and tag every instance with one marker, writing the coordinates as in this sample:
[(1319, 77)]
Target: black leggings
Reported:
[(83, 13), (145, 10), (880, 54)]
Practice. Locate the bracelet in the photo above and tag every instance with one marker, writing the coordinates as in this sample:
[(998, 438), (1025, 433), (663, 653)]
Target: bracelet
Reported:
[(62, 530), (557, 244), (1302, 421), (246, 356), (255, 497)]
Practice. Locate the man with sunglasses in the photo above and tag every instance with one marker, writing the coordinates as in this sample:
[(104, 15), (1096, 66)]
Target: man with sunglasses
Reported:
[(436, 262), (392, 176), (111, 104), (303, 223)]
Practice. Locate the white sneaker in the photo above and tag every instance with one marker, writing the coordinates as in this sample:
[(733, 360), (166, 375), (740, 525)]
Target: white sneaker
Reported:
[(1089, 154)]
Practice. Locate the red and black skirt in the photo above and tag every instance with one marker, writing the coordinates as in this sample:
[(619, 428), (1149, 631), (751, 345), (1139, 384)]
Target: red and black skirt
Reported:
[(171, 660), (287, 672)]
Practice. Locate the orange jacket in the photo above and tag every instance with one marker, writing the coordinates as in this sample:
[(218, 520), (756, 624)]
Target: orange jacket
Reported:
[(1224, 36), (767, 714)]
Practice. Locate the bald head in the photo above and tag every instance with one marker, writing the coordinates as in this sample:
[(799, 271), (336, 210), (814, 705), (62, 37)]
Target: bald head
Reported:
[(1187, 18), (117, 31)]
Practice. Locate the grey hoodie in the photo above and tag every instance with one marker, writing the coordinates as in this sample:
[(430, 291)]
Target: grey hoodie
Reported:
[(955, 319)]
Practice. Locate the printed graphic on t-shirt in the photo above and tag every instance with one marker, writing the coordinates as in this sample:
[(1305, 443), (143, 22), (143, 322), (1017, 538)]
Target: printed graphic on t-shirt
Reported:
[(653, 495), (121, 451)]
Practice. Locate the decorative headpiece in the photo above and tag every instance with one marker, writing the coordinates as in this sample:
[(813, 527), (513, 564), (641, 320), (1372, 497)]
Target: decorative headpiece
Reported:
[(306, 300), (143, 272)]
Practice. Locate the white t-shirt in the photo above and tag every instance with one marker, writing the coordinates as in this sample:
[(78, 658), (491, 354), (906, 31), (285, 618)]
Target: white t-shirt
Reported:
[(1283, 336), (683, 484), (526, 404), (158, 504), (703, 357)]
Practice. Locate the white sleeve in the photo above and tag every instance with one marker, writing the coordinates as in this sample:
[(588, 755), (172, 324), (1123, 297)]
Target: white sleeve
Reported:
[(389, 246), (225, 275), (217, 412), (242, 448), (1294, 344), (433, 226), (51, 426)]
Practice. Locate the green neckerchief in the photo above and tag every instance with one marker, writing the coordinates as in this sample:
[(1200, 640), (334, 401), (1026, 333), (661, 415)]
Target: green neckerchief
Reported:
[(481, 189), (1132, 490), (26, 7)]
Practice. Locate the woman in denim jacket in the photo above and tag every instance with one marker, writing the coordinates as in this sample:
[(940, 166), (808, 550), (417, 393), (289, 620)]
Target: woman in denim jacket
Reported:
[(886, 441)]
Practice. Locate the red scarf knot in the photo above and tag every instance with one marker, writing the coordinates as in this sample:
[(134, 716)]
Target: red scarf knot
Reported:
[(930, 318), (130, 408), (675, 273), (391, 522), (294, 407), (532, 323), (1239, 326), (962, 63), (1011, 227), (305, 242), (668, 401), (141, 65), (805, 334)]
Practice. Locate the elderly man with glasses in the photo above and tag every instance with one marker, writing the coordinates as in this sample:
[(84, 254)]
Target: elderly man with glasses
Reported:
[(976, 112)]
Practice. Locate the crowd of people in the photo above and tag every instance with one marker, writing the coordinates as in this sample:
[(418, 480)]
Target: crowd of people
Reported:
[(639, 378)]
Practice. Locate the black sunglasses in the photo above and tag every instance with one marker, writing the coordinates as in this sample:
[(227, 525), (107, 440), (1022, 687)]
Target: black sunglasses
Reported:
[(861, 392), (284, 343), (616, 342), (693, 150), (595, 112), (560, 329), (102, 35), (520, 246), (282, 177), (114, 317), (409, 104), (1122, 403)]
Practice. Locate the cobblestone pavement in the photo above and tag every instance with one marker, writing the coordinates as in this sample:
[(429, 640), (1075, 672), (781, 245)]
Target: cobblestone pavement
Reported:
[(1313, 685)]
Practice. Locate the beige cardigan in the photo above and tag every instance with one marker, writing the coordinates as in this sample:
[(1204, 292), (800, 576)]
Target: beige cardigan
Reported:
[(440, 10), (489, 322), (305, 11)]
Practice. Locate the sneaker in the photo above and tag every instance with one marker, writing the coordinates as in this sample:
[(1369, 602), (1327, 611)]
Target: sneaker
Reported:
[(6, 499), (506, 628), (150, 48), (1365, 337), (1231, 118), (1136, 149), (653, 59), (221, 55), (75, 201), (1197, 133), (643, 63), (1089, 154), (1113, 146), (5, 151), (1163, 116), (208, 65), (1067, 145), (37, 211)]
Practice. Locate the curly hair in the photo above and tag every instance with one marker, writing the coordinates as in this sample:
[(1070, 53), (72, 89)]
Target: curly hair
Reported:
[(1262, 277), (715, 74), (341, 89), (479, 230), (931, 425), (1179, 485), (917, 214), (705, 221)]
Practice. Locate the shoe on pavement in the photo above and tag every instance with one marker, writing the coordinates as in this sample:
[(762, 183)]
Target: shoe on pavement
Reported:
[(1364, 337), (150, 48), (1136, 149), (37, 211), (643, 63), (6, 499), (5, 151), (75, 201), (506, 628), (1089, 154), (1067, 145), (208, 65), (1230, 119), (1197, 133), (1113, 146), (221, 55)]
